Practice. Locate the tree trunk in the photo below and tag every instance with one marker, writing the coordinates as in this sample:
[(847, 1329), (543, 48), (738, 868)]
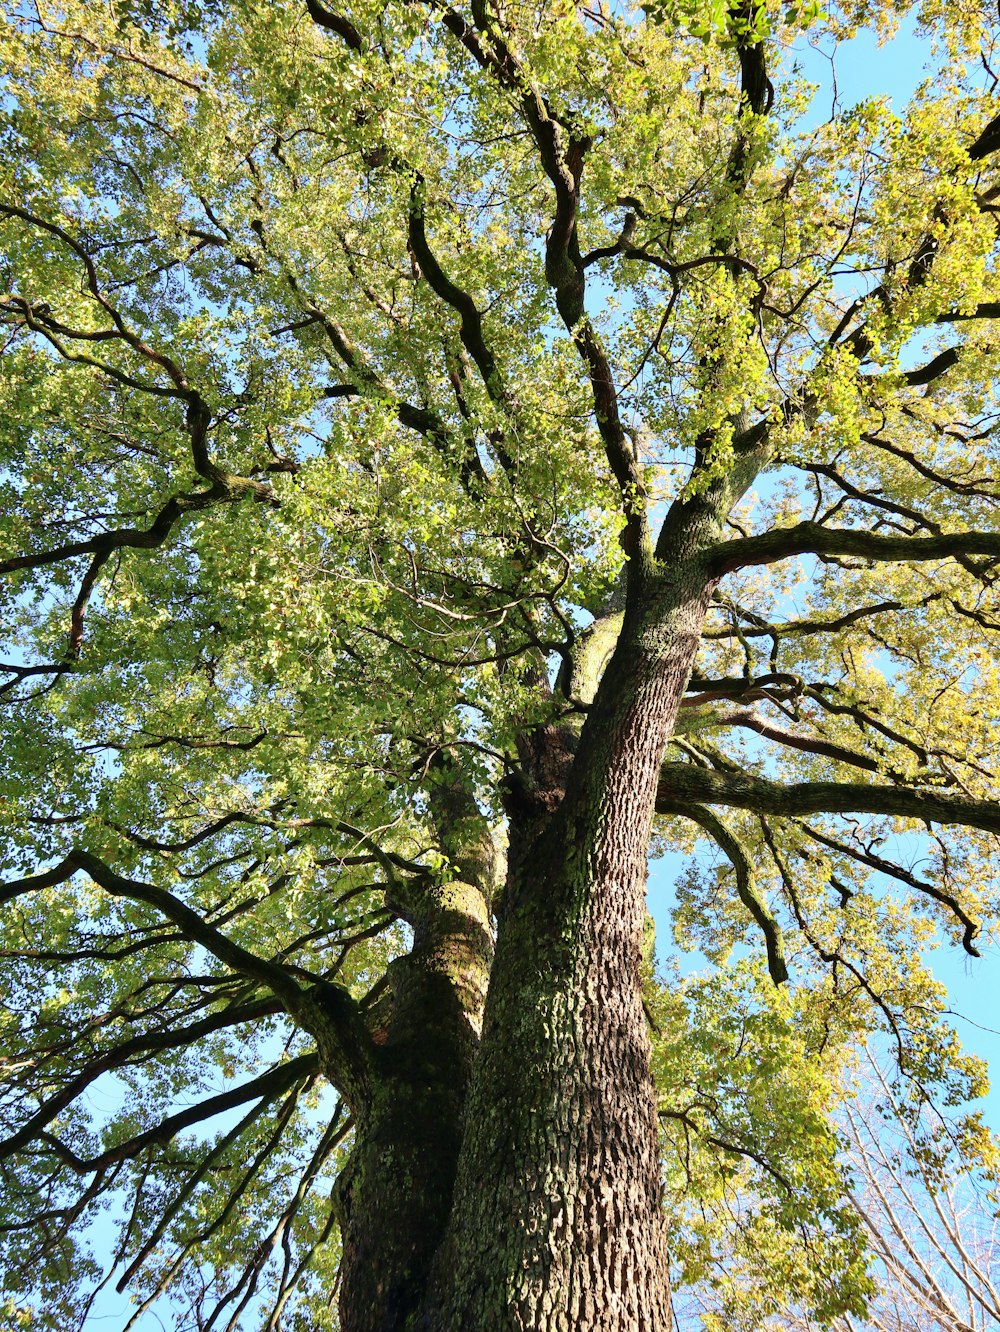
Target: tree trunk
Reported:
[(557, 1223), (395, 1195)]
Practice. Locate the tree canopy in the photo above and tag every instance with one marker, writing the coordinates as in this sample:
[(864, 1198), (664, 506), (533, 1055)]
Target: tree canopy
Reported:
[(364, 372)]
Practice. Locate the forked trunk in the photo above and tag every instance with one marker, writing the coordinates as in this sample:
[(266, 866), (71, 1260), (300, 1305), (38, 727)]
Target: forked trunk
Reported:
[(557, 1222), (515, 1187)]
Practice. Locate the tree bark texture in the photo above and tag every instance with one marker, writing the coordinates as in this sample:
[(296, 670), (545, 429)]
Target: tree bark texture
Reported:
[(557, 1223), (394, 1198), (512, 1183)]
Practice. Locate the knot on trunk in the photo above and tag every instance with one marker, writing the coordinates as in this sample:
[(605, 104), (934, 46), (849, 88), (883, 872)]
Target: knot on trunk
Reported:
[(535, 791)]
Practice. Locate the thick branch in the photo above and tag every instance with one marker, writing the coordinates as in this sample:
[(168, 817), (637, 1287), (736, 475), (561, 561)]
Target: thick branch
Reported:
[(561, 154), (191, 924), (745, 887), (784, 543), (809, 744), (224, 488), (859, 342), (335, 23), (126, 1053), (471, 326), (173, 371), (122, 537), (326, 1010), (987, 142), (760, 628), (888, 867), (682, 783), (269, 1085)]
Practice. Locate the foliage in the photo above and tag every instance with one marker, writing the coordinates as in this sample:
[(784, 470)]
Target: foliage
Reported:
[(926, 1198), (350, 361)]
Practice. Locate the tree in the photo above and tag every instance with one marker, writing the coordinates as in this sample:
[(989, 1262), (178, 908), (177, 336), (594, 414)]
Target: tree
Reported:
[(929, 1217), (439, 442), (934, 1235)]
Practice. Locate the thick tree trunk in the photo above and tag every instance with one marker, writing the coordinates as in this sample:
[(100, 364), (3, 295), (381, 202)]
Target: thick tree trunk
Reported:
[(395, 1196), (557, 1221), (512, 1183)]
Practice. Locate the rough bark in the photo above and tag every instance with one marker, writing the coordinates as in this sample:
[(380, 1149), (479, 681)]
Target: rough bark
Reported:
[(557, 1222), (395, 1196), (531, 1163)]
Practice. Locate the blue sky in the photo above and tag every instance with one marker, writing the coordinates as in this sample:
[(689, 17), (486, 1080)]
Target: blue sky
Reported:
[(863, 69)]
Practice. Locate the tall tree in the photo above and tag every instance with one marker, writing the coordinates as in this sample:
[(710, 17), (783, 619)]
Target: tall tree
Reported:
[(438, 441)]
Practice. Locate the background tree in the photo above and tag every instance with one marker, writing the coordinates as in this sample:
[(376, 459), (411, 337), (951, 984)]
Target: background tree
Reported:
[(929, 1217), (385, 393), (933, 1228)]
